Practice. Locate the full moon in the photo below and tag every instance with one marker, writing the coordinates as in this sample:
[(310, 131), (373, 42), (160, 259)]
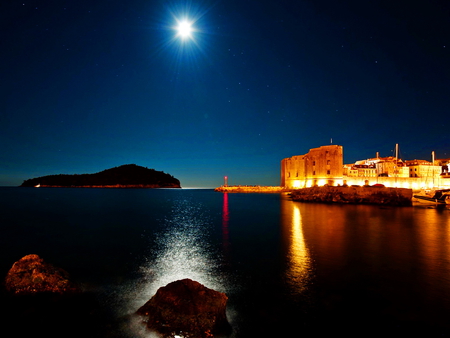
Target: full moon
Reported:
[(184, 29)]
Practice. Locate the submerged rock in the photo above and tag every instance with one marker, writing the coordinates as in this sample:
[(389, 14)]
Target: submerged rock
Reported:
[(186, 306), (31, 275)]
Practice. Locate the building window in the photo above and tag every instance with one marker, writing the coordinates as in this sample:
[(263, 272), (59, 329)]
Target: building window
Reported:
[(328, 172), (314, 172), (314, 162)]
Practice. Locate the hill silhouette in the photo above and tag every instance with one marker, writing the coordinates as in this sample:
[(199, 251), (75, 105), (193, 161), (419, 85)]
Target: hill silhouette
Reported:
[(125, 176)]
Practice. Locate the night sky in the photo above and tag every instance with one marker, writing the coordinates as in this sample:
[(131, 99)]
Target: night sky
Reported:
[(90, 85)]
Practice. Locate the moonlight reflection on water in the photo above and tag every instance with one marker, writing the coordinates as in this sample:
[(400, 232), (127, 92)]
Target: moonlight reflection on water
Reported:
[(182, 251)]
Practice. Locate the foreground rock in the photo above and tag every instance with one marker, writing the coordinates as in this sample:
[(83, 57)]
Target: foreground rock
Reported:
[(39, 300), (31, 275), (189, 307)]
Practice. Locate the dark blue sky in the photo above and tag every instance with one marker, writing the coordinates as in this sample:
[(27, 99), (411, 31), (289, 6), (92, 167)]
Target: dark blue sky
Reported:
[(89, 85)]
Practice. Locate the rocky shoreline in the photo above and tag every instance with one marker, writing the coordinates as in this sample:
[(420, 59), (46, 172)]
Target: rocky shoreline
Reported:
[(111, 186), (125, 176), (355, 195), (331, 194)]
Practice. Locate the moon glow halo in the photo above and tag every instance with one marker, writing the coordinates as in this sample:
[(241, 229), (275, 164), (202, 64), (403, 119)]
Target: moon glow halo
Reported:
[(184, 29)]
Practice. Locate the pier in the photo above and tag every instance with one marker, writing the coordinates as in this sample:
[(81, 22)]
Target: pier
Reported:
[(252, 189)]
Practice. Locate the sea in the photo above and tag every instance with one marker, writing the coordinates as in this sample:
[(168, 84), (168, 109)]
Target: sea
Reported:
[(288, 268)]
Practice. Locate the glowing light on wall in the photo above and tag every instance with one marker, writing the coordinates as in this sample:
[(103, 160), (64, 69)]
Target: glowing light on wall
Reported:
[(388, 182)]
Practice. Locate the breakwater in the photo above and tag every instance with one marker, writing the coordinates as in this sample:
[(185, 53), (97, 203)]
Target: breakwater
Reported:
[(251, 189), (355, 195), (124, 186)]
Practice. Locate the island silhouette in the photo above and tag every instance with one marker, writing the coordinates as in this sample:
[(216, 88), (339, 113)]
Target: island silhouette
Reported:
[(124, 176)]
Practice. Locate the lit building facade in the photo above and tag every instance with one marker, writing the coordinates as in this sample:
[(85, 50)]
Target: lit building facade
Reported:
[(379, 167), (320, 166), (424, 169), (360, 170), (324, 166)]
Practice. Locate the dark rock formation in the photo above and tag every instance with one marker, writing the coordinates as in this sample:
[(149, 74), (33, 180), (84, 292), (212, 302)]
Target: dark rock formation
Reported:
[(355, 195), (125, 176), (40, 300), (31, 275), (189, 307)]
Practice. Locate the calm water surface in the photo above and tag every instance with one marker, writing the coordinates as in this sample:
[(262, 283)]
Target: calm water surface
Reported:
[(288, 268)]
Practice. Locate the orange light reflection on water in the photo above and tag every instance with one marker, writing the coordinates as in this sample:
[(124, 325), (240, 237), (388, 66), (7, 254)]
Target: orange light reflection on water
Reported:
[(298, 256)]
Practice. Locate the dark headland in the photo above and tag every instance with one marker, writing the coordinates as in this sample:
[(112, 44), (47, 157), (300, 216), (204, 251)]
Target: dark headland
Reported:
[(125, 176)]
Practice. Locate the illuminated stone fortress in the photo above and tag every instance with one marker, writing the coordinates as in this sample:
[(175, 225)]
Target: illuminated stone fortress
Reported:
[(324, 166)]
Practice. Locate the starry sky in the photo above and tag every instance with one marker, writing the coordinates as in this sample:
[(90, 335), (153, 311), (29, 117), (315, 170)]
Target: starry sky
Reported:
[(90, 85)]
